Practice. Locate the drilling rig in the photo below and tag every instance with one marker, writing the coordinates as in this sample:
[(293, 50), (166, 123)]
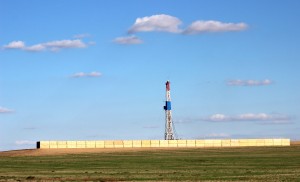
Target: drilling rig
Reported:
[(169, 132)]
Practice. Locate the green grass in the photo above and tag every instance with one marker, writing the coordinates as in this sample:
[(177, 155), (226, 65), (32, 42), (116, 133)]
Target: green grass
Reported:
[(234, 164)]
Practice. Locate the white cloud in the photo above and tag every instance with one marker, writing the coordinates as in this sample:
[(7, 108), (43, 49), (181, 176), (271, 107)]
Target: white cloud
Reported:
[(35, 48), (162, 22), (80, 74), (91, 74), (217, 117), (52, 45), (95, 74), (59, 44), (171, 24), (81, 36), (25, 142), (201, 26), (5, 110), (15, 45), (128, 40), (249, 82), (271, 118)]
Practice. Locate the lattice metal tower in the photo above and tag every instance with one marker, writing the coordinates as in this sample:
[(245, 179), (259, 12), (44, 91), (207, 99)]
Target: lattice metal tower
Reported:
[(169, 132)]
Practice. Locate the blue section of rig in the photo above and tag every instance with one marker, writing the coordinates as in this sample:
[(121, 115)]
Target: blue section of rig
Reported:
[(168, 105)]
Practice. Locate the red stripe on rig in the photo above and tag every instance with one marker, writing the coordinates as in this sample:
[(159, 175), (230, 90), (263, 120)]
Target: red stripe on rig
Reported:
[(168, 85)]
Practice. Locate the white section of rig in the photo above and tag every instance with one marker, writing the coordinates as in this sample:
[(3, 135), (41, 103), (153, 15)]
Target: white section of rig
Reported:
[(169, 132)]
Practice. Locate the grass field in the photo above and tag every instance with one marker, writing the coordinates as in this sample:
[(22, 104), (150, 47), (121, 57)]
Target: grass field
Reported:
[(194, 164)]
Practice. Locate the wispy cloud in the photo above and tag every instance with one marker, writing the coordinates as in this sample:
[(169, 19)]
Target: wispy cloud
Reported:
[(151, 127), (217, 135), (82, 74), (249, 82), (5, 110), (272, 122), (162, 23), (47, 46), (25, 142), (271, 118), (60, 44), (15, 45), (183, 121), (35, 48), (128, 40), (81, 36), (201, 26), (258, 118)]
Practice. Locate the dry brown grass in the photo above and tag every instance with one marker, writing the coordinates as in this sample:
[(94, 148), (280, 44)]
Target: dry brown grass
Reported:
[(49, 152)]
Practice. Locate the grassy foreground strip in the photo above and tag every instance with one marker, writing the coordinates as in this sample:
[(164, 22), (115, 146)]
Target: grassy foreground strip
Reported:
[(194, 164)]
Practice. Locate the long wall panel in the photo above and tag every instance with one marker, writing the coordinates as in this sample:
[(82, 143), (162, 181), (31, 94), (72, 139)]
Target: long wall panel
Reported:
[(80, 144), (181, 143), (200, 143), (127, 143), (136, 143), (146, 143), (154, 143), (163, 143), (285, 142), (90, 144), (190, 143), (99, 144), (109, 144), (172, 143), (118, 144), (44, 144)]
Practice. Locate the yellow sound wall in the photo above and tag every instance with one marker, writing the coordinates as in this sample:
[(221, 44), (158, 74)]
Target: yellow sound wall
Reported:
[(162, 143)]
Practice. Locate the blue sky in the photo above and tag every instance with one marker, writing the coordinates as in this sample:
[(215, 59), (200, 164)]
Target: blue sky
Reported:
[(95, 70)]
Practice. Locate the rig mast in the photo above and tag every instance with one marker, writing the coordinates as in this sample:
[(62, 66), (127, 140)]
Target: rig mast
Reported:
[(169, 133)]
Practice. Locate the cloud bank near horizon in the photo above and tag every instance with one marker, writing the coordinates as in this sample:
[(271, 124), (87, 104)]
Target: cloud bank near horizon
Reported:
[(25, 142), (249, 82), (261, 118), (271, 118)]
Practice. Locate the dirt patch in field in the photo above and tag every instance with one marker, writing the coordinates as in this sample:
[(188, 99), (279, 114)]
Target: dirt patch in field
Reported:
[(295, 143), (46, 152)]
